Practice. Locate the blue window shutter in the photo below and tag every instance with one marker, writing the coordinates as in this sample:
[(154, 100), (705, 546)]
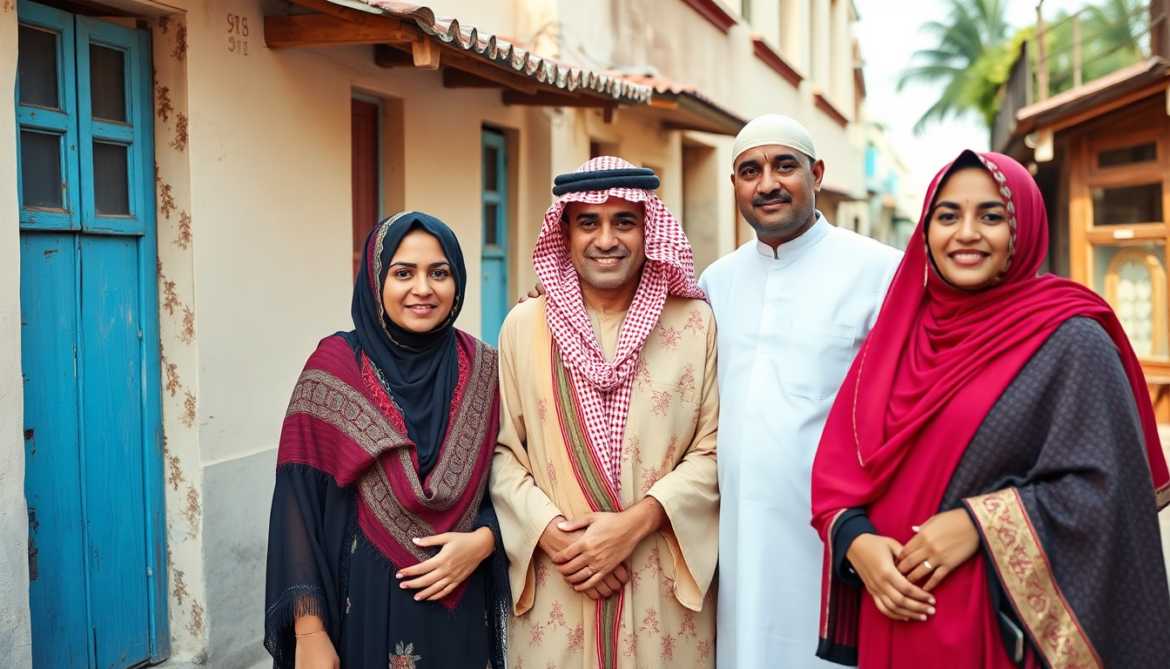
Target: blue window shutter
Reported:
[(61, 122)]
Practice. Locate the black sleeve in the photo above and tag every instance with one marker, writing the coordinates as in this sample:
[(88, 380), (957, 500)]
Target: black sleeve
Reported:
[(499, 595), (852, 524), (310, 519)]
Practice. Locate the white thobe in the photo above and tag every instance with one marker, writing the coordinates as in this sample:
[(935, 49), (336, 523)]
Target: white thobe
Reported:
[(789, 325)]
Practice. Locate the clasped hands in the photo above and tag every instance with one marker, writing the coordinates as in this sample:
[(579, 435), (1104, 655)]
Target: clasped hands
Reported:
[(591, 551), (892, 572)]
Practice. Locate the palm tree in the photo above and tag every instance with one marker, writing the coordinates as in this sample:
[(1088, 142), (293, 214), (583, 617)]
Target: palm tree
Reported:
[(970, 55), (1112, 36)]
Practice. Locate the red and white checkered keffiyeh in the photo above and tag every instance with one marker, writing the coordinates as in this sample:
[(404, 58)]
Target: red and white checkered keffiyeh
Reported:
[(603, 387)]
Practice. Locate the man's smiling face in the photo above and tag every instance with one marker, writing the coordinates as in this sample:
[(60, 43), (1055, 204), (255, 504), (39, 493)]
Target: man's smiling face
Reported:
[(607, 242), (775, 188)]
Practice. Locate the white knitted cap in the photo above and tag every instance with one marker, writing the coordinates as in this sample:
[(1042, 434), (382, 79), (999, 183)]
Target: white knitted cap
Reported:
[(773, 129)]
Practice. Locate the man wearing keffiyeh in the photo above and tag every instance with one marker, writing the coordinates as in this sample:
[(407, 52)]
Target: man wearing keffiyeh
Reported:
[(604, 478)]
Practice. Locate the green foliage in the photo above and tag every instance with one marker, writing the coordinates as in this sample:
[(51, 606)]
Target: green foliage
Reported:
[(990, 73), (971, 46), (1112, 37), (974, 55)]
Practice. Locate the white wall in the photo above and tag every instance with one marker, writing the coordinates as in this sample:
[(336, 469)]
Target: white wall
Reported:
[(15, 634)]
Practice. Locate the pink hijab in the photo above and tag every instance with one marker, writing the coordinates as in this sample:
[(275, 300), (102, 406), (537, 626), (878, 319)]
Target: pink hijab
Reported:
[(931, 342)]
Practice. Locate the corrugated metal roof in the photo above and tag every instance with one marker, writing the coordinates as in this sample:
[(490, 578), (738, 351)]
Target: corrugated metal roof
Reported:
[(508, 55)]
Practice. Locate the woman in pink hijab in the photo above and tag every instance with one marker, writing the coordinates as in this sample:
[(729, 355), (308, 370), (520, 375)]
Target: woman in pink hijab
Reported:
[(988, 482)]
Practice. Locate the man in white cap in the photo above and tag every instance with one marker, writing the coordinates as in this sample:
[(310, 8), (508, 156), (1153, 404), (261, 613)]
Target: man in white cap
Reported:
[(793, 307)]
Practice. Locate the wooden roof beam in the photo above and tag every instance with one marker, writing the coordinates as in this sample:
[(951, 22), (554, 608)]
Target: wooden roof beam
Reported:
[(543, 99), (453, 78), (461, 60), (309, 30)]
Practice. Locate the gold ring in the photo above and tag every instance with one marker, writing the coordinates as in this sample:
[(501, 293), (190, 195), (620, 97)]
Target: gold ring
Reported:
[(591, 572), (926, 564)]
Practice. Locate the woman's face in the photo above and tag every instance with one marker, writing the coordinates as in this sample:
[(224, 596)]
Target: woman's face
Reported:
[(419, 291), (968, 233)]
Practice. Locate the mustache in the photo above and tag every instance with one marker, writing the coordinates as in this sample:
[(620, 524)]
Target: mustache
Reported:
[(771, 198)]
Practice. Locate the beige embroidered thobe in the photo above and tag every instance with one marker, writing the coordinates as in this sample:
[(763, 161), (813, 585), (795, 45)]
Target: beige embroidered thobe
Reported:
[(667, 617)]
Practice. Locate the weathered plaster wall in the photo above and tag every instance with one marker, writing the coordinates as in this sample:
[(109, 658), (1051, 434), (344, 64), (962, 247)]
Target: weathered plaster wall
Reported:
[(15, 634), (235, 518), (265, 269)]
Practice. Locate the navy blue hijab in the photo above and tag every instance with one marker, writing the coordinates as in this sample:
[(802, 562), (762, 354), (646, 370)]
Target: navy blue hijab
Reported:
[(419, 369)]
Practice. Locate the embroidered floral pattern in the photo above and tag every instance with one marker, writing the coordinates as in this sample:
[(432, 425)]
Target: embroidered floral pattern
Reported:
[(653, 561), (687, 383), (577, 637), (661, 403), (635, 579), (695, 323), (641, 373), (671, 452), (536, 634), (404, 658), (668, 584), (649, 478), (556, 616), (705, 648), (542, 409), (1019, 557), (632, 449), (669, 338), (541, 574), (668, 647), (649, 622), (629, 644), (688, 626)]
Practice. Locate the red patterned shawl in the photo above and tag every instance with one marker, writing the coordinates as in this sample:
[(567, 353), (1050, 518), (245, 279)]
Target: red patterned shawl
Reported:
[(341, 421)]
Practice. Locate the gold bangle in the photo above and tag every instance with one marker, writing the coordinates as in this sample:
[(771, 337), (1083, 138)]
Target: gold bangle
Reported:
[(301, 636)]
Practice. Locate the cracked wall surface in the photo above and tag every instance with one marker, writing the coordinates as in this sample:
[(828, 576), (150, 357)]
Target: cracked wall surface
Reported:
[(15, 631)]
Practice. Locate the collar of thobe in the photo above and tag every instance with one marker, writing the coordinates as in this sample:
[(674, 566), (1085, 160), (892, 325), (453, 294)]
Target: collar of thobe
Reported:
[(788, 251)]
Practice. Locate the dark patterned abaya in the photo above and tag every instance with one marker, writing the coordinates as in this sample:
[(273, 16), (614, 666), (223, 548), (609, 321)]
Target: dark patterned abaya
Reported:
[(388, 437)]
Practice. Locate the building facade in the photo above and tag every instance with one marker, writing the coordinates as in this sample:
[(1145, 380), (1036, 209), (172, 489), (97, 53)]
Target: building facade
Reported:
[(893, 208), (184, 186)]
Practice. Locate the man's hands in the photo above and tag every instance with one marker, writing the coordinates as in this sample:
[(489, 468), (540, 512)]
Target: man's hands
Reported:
[(944, 542), (553, 540), (591, 551), (896, 597), (609, 539), (460, 554)]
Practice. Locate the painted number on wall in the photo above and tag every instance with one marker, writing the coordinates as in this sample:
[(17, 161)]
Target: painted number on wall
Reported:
[(237, 34)]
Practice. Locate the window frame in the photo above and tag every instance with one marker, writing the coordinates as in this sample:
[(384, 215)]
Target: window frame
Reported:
[(1086, 237), (62, 122)]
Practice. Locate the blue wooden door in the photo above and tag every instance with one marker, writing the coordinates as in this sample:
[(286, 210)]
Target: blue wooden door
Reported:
[(89, 343), (495, 235)]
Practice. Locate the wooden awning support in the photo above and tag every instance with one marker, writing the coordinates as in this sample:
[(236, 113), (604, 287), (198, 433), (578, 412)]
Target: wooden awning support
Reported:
[(307, 30), (400, 43), (542, 99)]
